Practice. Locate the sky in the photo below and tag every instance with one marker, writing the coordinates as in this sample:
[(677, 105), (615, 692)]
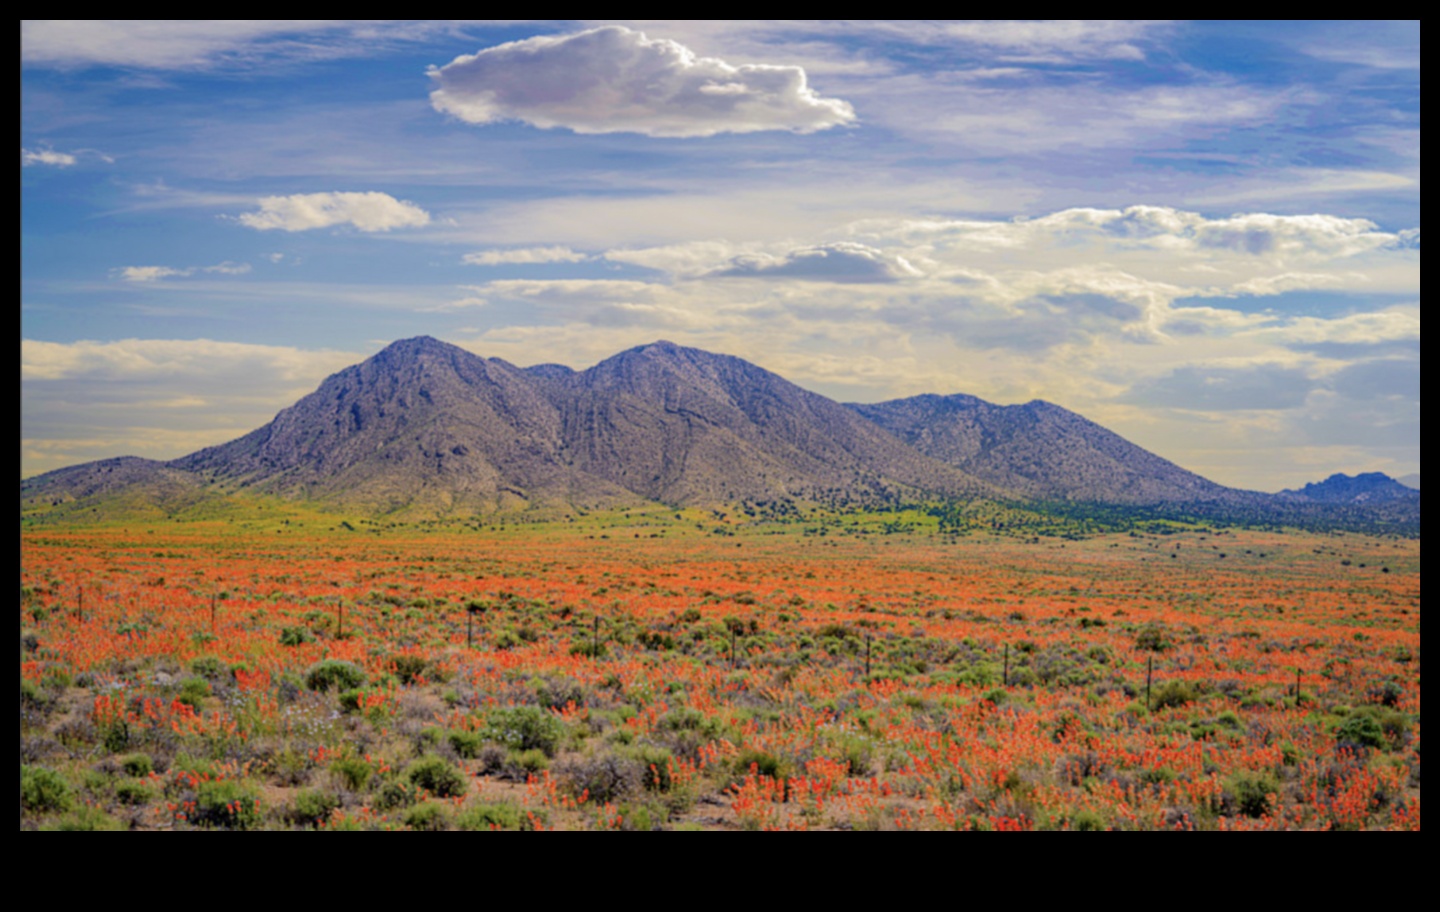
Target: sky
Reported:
[(1201, 234)]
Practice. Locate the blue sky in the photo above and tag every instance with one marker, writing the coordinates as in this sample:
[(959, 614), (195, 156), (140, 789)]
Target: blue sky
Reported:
[(1203, 234)]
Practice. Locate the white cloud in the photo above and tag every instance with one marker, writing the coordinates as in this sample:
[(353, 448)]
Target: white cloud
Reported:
[(843, 262), (156, 273), (615, 80), (525, 256), (368, 212), (50, 157)]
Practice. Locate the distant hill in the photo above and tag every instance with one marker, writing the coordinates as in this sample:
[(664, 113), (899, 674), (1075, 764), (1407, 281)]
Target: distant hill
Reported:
[(1410, 481), (1042, 451), (1369, 488), (426, 429)]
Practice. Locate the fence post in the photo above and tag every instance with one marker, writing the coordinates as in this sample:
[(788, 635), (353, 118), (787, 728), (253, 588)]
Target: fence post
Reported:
[(1149, 676)]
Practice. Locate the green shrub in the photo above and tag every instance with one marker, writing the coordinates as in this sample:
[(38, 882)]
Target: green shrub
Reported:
[(311, 807), (1174, 693), (134, 793), (333, 674), (504, 816), (1252, 792), (467, 744), (296, 636), (1154, 638), (410, 667), (520, 765), (86, 820), (228, 804), (353, 772), (1361, 729), (764, 764), (208, 667), (137, 765), (654, 763), (43, 791), (428, 816), (395, 793), (1088, 822), (438, 777), (193, 692), (525, 728)]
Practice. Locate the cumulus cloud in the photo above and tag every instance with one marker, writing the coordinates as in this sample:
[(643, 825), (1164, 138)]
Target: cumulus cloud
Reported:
[(369, 212), (156, 273), (840, 262), (49, 157), (525, 256), (615, 80)]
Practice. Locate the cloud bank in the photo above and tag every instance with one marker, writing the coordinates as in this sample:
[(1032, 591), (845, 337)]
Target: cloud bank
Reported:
[(615, 80)]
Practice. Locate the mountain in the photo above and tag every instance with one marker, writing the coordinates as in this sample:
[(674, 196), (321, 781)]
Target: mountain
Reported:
[(422, 425), (1369, 488), (1042, 451), (425, 429), (681, 425)]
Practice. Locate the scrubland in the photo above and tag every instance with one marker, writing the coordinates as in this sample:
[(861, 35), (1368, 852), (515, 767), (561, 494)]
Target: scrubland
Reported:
[(702, 671)]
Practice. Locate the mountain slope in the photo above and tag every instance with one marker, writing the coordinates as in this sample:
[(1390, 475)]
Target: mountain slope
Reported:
[(421, 425), (682, 425), (1041, 451)]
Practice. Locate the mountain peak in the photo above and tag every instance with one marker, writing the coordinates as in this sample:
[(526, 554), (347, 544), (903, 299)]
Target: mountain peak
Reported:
[(1362, 488)]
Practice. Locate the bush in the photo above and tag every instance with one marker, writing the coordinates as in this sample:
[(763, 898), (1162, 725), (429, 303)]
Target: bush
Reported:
[(603, 777), (1252, 792), (311, 807), (503, 816), (43, 790), (1153, 638), (296, 636), (466, 744), (137, 765), (353, 772), (193, 693), (1362, 730), (333, 674), (525, 728), (428, 816), (208, 667), (410, 667), (228, 804), (436, 776), (521, 765), (134, 793), (86, 820), (1174, 694), (395, 793)]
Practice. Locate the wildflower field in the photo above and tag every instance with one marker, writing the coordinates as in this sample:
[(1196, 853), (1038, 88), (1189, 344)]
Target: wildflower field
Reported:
[(656, 670)]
